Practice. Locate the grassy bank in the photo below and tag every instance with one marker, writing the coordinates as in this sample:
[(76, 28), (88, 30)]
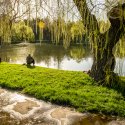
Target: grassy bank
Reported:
[(69, 88)]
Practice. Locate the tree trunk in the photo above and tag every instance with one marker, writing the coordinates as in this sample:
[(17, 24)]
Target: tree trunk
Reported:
[(104, 60), (103, 63)]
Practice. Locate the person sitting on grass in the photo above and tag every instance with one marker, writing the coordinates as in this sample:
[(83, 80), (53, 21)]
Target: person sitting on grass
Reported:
[(30, 60)]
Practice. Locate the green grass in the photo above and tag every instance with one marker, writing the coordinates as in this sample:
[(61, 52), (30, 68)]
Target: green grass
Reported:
[(70, 88)]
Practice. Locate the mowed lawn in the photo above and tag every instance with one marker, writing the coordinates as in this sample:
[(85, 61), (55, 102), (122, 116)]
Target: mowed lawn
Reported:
[(68, 88)]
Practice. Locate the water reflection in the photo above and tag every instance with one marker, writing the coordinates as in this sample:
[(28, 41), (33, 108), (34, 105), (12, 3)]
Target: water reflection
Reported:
[(120, 66), (76, 58)]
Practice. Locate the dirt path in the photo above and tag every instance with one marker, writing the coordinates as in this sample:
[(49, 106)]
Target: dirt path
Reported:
[(18, 109)]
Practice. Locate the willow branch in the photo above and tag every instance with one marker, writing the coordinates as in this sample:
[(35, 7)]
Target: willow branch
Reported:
[(89, 19)]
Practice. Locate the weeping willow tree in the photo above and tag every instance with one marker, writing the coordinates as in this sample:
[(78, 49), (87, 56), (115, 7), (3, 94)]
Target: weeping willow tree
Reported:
[(11, 11), (60, 30), (102, 34), (77, 53), (103, 37), (21, 32), (5, 33), (5, 24)]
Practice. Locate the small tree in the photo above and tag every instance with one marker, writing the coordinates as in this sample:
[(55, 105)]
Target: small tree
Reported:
[(21, 32)]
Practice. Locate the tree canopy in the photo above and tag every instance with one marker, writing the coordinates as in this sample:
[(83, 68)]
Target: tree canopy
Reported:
[(21, 32)]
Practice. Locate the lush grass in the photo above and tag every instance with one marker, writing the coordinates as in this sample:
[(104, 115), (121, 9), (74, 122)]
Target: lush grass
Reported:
[(70, 88)]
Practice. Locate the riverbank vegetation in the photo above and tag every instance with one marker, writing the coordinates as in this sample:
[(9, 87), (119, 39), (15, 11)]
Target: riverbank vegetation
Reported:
[(69, 88)]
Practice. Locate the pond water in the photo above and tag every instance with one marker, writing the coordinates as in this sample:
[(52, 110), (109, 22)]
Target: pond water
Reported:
[(77, 58)]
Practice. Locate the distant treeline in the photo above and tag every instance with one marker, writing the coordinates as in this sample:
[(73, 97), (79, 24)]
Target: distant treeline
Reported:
[(45, 30)]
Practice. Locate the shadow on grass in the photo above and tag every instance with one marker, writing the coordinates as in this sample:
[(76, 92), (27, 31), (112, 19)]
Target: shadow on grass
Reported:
[(113, 81), (118, 85), (31, 67), (121, 86)]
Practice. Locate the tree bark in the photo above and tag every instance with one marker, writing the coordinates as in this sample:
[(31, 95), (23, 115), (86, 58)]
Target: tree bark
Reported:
[(104, 61), (103, 58)]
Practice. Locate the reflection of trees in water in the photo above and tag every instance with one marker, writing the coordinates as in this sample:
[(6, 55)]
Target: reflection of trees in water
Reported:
[(15, 53), (4, 57), (120, 54), (119, 68), (46, 52), (79, 53), (120, 49)]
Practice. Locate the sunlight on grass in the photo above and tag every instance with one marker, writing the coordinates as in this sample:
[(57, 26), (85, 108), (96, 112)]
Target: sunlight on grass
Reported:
[(69, 88)]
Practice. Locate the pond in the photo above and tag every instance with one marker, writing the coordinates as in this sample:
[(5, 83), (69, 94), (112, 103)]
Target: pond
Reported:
[(77, 58)]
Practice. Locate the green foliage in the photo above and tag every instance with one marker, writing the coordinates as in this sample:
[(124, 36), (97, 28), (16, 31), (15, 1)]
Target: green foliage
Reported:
[(77, 30), (61, 30), (57, 30), (77, 53), (112, 80), (22, 32), (104, 26), (69, 32), (120, 48), (69, 88), (5, 29)]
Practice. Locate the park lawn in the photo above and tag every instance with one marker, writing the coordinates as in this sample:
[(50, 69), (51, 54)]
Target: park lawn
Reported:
[(68, 88)]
